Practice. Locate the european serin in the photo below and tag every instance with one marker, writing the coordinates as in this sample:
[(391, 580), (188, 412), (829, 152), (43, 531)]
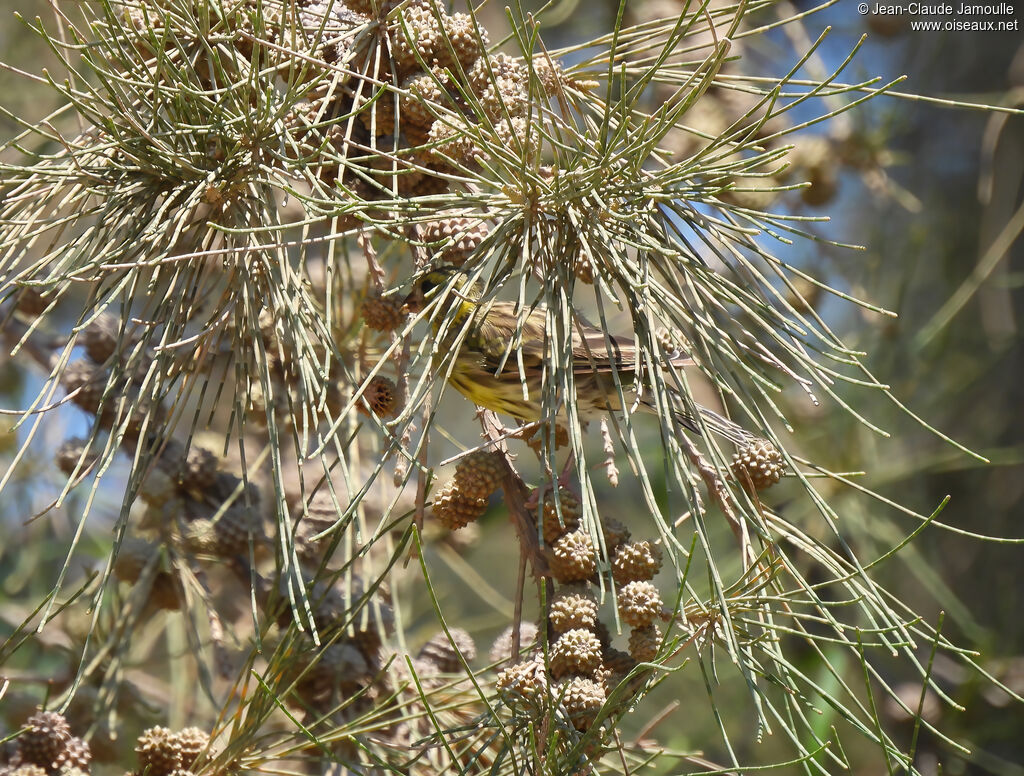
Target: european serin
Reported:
[(496, 359)]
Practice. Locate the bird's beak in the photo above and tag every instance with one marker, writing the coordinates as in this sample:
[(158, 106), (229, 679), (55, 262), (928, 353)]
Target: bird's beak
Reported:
[(413, 303)]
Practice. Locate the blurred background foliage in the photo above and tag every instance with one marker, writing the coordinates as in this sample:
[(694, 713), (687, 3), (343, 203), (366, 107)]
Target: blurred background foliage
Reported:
[(934, 194)]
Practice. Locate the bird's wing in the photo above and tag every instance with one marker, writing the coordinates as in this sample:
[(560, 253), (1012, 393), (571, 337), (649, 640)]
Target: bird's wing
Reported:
[(593, 351), (496, 337), (596, 351)]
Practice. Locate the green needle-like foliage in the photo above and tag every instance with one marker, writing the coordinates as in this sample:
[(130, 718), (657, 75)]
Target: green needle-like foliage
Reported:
[(212, 249)]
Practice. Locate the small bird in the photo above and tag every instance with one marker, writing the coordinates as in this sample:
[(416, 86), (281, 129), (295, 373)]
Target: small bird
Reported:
[(497, 358)]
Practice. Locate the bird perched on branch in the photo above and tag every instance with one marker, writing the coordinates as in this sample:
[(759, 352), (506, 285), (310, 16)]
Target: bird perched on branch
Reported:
[(502, 351)]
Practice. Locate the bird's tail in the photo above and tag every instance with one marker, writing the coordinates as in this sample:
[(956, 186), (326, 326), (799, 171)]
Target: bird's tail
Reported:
[(722, 426), (711, 420)]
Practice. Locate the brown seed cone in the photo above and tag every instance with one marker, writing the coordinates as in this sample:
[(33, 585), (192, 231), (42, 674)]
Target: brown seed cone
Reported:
[(467, 43), (573, 558), (479, 475), (440, 652), (549, 73), (340, 666), (582, 698), (516, 135), (571, 610), (199, 471), (428, 93), (100, 337), (618, 664), (758, 463), (76, 756), (583, 268), (817, 161), (382, 313), (636, 561), (25, 769), (132, 556), (89, 381), (454, 509), (523, 685), (639, 603), (577, 651), (501, 649), (380, 117), (554, 527), (644, 643), (158, 751), (193, 742), (490, 68), (164, 593), (31, 302), (71, 452), (500, 83), (615, 534), (456, 237), (159, 487), (44, 738), (416, 32), (381, 7), (423, 185), (381, 394), (451, 138), (234, 527), (332, 608)]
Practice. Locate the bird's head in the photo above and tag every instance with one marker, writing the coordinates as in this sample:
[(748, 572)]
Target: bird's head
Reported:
[(445, 280)]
